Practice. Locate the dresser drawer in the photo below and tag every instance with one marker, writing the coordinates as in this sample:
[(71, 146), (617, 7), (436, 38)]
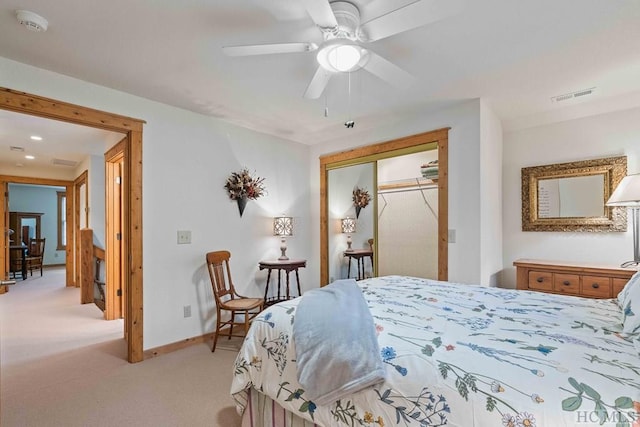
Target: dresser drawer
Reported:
[(596, 286), (541, 280), (617, 285), (566, 283), (583, 280)]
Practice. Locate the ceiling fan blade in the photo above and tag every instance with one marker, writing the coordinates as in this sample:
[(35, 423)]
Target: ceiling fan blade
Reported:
[(387, 71), (321, 13), (413, 15), (318, 83), (266, 49)]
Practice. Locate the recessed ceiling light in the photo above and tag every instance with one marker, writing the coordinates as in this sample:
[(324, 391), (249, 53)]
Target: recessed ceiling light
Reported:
[(36, 138), (29, 156)]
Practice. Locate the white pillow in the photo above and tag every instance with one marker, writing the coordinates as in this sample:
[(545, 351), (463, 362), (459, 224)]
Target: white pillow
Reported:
[(630, 305), (622, 296)]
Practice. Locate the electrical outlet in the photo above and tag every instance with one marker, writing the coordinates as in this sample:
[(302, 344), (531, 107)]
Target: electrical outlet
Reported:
[(452, 236), (187, 311), (184, 237)]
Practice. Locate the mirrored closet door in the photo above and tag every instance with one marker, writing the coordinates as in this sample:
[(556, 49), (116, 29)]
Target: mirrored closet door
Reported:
[(399, 225)]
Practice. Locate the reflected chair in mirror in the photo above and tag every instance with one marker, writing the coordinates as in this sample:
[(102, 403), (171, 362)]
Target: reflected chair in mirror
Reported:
[(35, 257), (227, 300)]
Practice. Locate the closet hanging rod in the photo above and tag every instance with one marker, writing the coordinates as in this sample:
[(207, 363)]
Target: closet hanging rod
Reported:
[(416, 183), (405, 189)]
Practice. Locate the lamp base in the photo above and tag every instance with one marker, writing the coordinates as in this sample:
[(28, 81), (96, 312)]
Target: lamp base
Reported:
[(283, 250), (629, 264), (349, 243)]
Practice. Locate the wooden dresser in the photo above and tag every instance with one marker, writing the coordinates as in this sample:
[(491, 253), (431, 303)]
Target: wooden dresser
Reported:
[(585, 280)]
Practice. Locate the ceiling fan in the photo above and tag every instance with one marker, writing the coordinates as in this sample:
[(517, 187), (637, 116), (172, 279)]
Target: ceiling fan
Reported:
[(343, 36)]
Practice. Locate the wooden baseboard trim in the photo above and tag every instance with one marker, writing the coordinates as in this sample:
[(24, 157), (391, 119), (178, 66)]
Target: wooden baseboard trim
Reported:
[(178, 345)]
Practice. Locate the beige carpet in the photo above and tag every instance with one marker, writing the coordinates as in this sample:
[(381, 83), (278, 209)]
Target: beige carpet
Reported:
[(61, 364)]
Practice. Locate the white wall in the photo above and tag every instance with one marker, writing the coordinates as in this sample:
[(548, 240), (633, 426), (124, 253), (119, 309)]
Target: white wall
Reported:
[(605, 135), (186, 160), (491, 196), (464, 185)]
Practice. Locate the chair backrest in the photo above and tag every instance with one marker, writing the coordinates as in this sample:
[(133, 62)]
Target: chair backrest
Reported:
[(220, 275), (36, 247)]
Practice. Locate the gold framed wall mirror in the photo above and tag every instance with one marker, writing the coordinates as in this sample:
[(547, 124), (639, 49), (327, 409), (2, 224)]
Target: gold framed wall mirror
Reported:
[(360, 167), (572, 196)]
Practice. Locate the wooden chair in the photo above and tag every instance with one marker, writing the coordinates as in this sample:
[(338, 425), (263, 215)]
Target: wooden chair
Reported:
[(35, 255), (227, 299)]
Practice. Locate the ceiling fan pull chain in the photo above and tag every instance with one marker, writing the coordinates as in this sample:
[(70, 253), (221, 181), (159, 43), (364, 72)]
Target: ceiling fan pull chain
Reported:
[(349, 123), (326, 106)]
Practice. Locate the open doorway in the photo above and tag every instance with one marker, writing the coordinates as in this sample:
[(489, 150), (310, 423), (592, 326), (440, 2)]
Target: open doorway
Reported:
[(131, 200)]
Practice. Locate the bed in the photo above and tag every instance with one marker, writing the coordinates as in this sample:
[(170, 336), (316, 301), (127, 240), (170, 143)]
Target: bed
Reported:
[(458, 355)]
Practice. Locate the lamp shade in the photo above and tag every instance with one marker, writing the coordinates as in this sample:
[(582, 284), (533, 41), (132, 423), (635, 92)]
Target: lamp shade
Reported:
[(283, 226), (348, 225), (627, 193)]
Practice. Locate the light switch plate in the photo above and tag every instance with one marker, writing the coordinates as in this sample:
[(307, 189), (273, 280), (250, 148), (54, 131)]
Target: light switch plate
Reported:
[(184, 237), (452, 236)]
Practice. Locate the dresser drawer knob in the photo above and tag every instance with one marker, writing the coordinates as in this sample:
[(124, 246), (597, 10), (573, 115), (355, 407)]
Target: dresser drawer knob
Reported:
[(566, 283), (595, 286), (540, 279)]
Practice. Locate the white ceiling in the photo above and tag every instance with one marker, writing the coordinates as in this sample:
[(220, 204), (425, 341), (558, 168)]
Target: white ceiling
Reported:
[(516, 54), (60, 140)]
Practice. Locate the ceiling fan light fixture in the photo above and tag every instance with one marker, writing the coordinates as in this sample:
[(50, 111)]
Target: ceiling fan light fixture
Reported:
[(340, 56)]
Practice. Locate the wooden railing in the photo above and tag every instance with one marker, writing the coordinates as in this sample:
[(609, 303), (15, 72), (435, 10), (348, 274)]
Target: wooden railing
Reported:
[(91, 262)]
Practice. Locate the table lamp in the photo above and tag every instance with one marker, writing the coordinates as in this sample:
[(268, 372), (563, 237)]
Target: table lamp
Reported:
[(627, 194), (348, 227), (283, 227)]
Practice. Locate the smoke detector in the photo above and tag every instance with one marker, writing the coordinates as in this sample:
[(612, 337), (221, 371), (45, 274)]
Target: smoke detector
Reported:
[(32, 21)]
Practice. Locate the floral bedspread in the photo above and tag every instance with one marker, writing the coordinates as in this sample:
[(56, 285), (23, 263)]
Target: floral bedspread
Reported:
[(463, 355)]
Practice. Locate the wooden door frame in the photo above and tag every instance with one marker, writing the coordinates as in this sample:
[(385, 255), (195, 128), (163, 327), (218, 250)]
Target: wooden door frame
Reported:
[(114, 205), (35, 105), (83, 178)]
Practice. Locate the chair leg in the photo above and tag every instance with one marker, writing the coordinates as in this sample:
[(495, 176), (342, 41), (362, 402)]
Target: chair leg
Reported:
[(233, 319), (215, 334), (246, 322)]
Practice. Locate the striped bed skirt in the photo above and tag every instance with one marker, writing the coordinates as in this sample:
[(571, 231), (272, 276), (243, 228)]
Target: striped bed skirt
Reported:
[(262, 411)]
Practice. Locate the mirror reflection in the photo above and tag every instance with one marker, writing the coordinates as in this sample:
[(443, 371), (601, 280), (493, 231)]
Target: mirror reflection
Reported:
[(571, 197), (357, 230)]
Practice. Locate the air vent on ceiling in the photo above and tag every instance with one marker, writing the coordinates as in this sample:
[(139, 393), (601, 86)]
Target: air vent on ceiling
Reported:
[(573, 95), (15, 148), (62, 162)]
